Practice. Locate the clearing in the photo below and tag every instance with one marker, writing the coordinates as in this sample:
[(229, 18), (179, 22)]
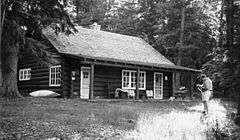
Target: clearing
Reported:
[(42, 118)]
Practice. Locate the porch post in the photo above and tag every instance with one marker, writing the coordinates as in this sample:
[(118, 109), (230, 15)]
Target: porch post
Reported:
[(191, 85), (173, 83), (91, 82), (65, 73), (137, 83), (71, 90)]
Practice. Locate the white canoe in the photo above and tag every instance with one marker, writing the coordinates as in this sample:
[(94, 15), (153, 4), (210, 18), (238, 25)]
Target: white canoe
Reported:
[(44, 93)]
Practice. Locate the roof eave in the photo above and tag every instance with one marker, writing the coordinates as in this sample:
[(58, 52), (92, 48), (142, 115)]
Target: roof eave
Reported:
[(172, 67)]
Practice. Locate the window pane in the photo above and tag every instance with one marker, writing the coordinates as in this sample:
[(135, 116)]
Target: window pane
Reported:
[(126, 78), (55, 75), (24, 74), (125, 73), (58, 81), (125, 85), (85, 75), (133, 79), (142, 80), (52, 81), (133, 74), (129, 79), (21, 74), (133, 85), (52, 70), (29, 74), (59, 70), (58, 75)]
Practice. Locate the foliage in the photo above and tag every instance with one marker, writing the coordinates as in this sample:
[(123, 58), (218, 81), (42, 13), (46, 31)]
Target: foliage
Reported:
[(210, 42), (29, 17), (125, 19), (197, 40), (232, 46), (226, 61), (158, 22), (88, 11), (207, 36), (23, 21), (229, 67)]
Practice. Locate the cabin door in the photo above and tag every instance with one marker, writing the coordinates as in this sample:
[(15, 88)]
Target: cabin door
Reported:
[(158, 85), (85, 82)]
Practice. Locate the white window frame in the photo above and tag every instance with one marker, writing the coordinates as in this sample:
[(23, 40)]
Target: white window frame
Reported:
[(154, 86), (55, 80), (144, 82), (24, 74), (130, 79)]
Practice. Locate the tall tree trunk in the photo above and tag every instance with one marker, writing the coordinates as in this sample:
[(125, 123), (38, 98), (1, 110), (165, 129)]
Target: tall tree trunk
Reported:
[(180, 46), (230, 23), (238, 109), (77, 8), (220, 39), (181, 36), (10, 63), (10, 51), (237, 119), (230, 45), (1, 78), (2, 18)]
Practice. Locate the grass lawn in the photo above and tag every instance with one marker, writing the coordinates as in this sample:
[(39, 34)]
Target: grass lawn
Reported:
[(40, 118)]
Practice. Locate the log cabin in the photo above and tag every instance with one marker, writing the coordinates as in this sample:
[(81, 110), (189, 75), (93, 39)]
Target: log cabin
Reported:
[(93, 64)]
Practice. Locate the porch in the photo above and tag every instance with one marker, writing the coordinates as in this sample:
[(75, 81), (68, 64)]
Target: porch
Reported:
[(101, 79)]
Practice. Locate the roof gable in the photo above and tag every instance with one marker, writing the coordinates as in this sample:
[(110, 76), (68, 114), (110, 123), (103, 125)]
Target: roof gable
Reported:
[(106, 45)]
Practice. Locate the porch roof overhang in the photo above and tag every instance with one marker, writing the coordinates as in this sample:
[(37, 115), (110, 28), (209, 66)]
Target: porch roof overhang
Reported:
[(112, 62)]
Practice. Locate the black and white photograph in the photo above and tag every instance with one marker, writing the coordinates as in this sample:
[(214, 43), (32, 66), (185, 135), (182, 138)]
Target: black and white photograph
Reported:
[(119, 69)]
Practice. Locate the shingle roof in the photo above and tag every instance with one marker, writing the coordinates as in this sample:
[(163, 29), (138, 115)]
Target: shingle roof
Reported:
[(107, 46)]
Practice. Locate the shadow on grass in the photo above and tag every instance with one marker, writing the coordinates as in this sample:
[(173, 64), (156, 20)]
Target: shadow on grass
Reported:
[(121, 116), (39, 118), (185, 125)]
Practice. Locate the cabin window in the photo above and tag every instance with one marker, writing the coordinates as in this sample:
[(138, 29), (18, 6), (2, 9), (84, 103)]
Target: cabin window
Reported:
[(142, 79), (24, 74), (55, 76), (129, 79)]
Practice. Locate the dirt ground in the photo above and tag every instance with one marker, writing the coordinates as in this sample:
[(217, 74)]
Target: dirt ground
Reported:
[(42, 118)]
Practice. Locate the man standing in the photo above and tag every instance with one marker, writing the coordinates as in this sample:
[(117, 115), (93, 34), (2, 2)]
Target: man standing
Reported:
[(207, 88)]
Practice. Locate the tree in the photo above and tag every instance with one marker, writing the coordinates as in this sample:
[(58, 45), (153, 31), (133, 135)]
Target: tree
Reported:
[(89, 10), (23, 22), (184, 36), (124, 19), (1, 79), (232, 46), (159, 22), (226, 62), (181, 30)]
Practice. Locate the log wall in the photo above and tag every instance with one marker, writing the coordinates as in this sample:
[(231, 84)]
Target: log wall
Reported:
[(106, 78), (39, 72)]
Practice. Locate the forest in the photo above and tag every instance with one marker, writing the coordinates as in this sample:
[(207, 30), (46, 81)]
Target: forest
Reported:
[(200, 34)]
